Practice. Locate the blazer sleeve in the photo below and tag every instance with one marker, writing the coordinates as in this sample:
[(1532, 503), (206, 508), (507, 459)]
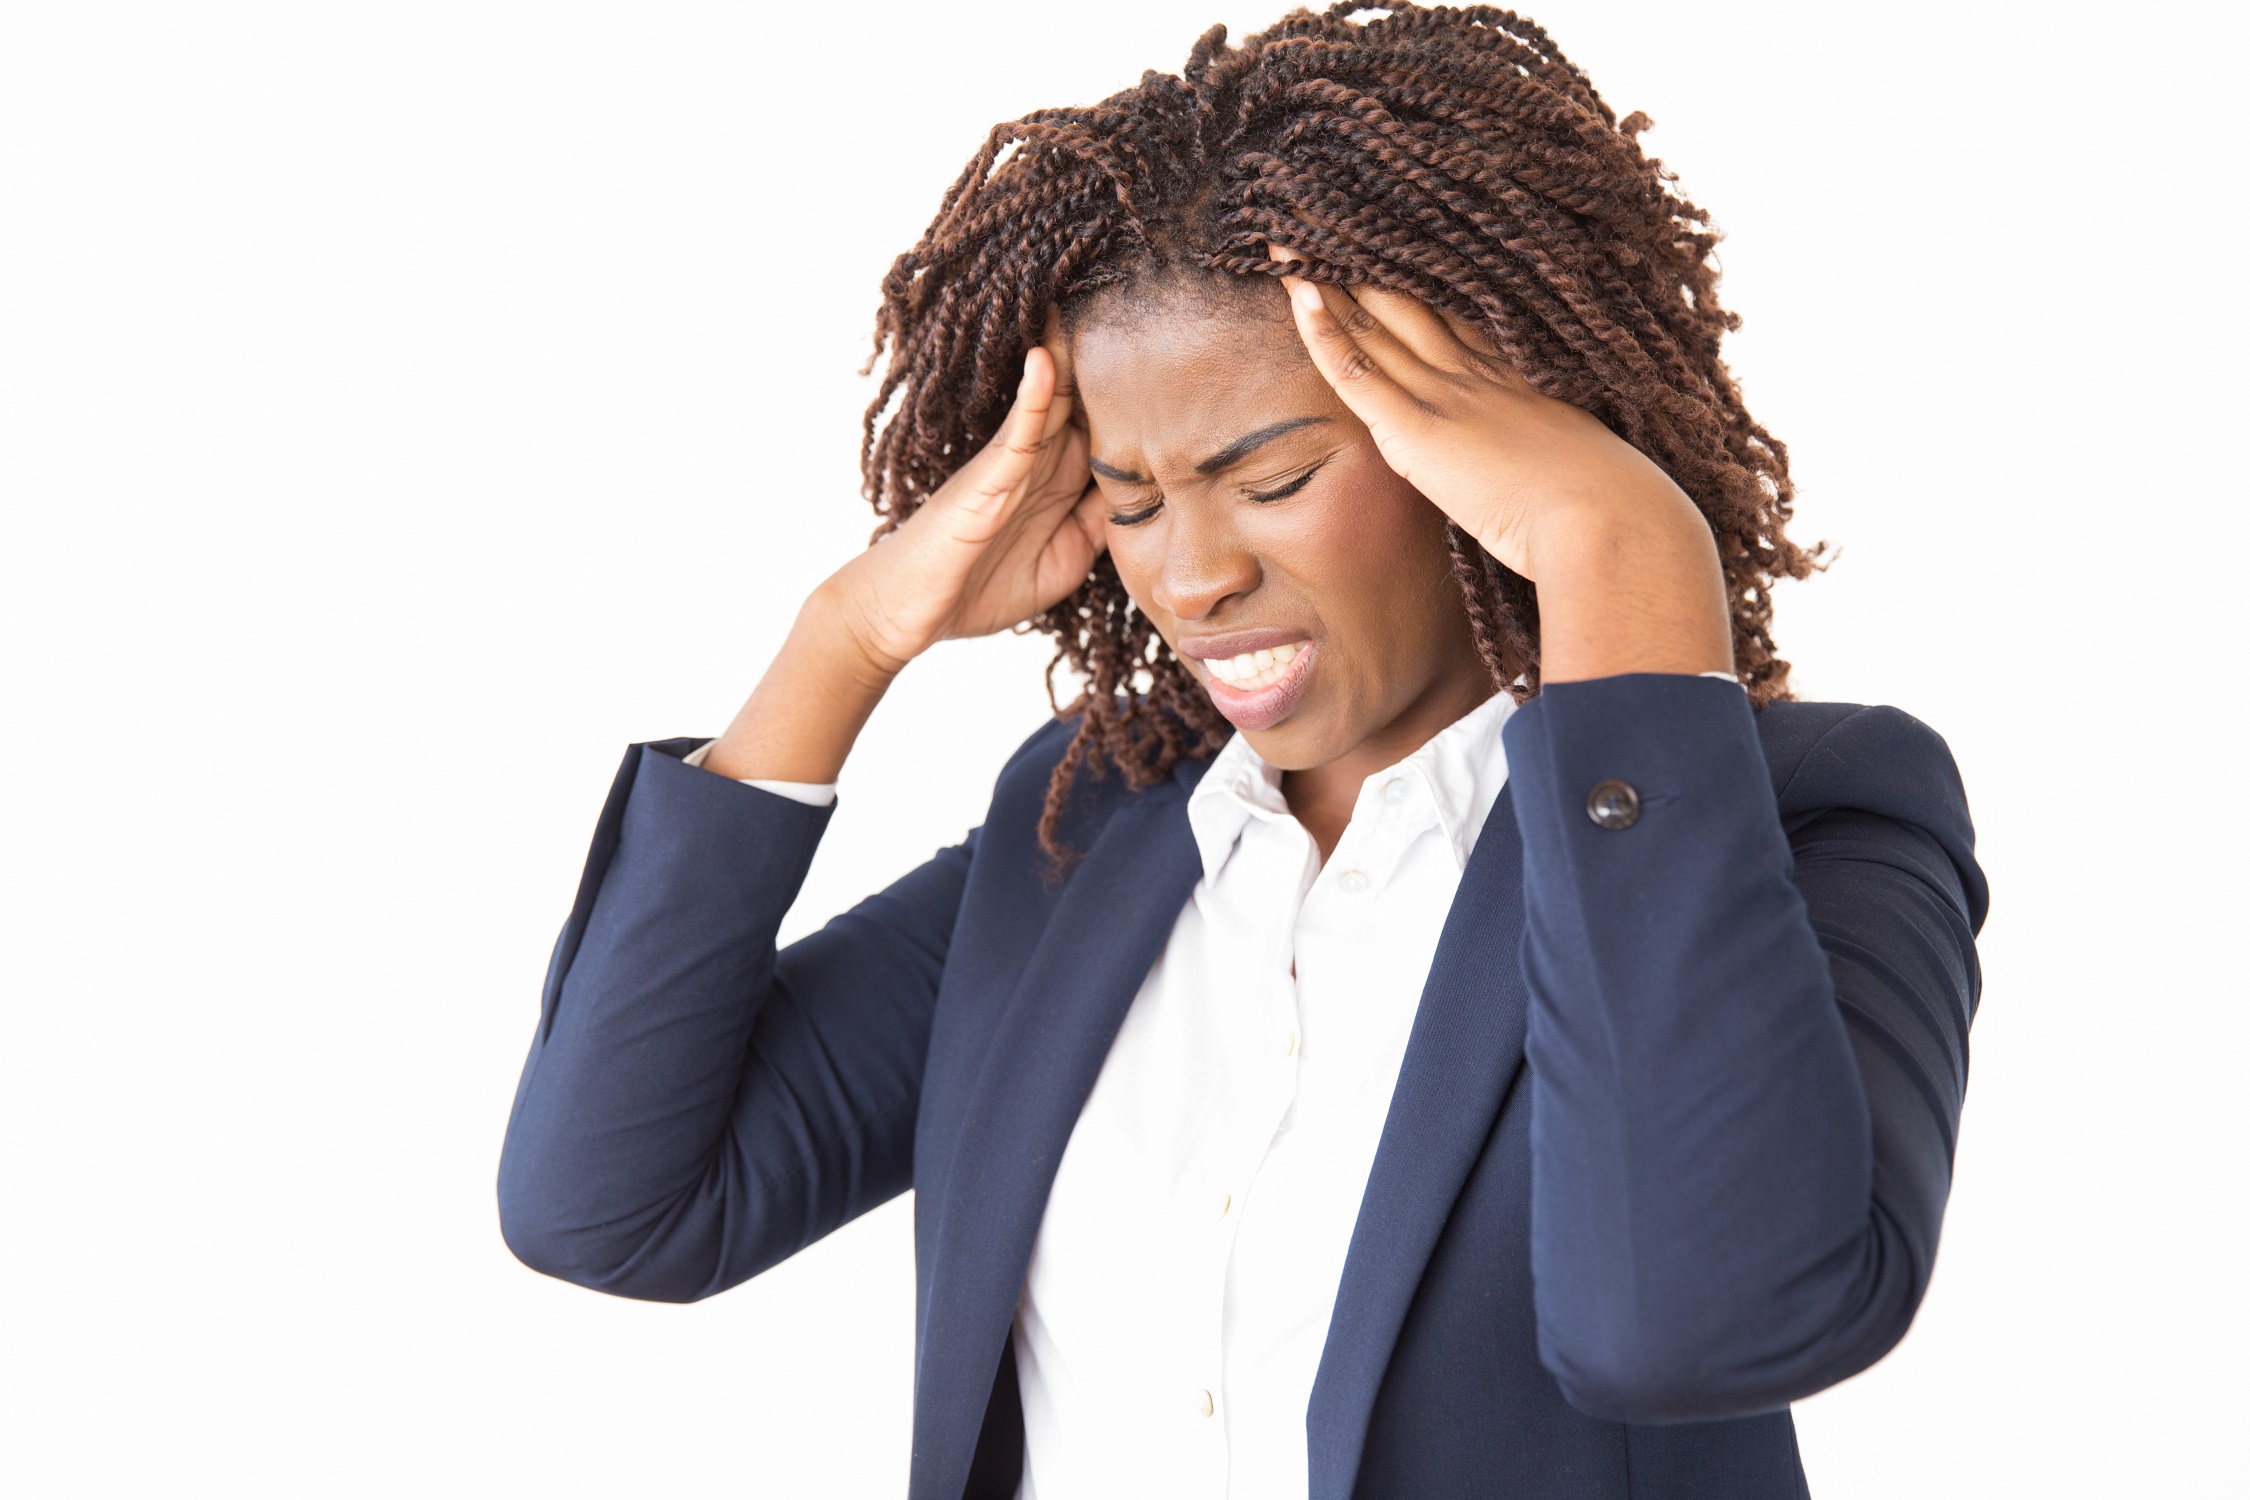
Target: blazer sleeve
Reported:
[(697, 1106), (1748, 1042)]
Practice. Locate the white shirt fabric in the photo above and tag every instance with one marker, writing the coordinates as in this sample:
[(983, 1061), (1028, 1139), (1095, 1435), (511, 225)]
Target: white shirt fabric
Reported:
[(811, 793), (1180, 1290)]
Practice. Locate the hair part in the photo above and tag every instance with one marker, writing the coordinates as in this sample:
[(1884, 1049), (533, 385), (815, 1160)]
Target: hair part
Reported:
[(1449, 154)]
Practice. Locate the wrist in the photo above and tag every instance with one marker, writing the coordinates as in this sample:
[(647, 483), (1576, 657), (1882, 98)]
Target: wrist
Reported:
[(1564, 542), (1631, 591), (836, 624), (808, 709)]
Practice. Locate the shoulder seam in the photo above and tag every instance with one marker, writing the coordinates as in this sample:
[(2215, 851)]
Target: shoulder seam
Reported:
[(1799, 768)]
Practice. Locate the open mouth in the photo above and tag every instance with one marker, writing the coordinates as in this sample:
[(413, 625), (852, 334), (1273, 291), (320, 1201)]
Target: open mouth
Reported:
[(1253, 670), (1259, 688)]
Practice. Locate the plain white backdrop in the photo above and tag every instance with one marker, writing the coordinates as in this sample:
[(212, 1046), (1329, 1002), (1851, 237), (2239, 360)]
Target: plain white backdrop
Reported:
[(403, 407)]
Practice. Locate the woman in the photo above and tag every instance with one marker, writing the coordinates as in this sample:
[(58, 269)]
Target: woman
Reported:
[(1410, 1028)]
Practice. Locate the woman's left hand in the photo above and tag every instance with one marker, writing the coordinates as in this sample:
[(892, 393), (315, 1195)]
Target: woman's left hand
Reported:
[(1624, 560)]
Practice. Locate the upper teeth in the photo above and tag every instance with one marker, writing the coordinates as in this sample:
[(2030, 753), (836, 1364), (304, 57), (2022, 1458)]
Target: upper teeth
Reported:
[(1254, 669)]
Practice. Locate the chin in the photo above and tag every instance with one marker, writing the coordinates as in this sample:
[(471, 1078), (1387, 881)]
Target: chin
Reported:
[(1295, 744)]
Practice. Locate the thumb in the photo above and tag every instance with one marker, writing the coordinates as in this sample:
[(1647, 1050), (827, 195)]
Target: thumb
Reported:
[(1350, 368), (1007, 460)]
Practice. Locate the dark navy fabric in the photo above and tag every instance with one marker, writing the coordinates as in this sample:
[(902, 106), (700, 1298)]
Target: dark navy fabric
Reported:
[(1669, 1149)]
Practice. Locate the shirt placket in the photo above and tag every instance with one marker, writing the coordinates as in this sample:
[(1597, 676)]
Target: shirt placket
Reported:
[(1345, 900), (1264, 1047)]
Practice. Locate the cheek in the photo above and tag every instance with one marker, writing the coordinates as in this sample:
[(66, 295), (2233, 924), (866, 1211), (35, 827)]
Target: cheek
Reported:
[(1368, 535), (1137, 552)]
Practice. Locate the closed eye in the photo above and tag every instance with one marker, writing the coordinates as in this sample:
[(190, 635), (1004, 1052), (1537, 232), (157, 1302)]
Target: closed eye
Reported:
[(1291, 488), (1135, 517)]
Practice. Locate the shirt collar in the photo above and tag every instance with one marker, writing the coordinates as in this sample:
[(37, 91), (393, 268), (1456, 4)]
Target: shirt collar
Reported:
[(1463, 767)]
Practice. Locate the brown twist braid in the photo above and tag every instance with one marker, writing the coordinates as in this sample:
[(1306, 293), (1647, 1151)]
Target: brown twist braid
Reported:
[(1450, 153)]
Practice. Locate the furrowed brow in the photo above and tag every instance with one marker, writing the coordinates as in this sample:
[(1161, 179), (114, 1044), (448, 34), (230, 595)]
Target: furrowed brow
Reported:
[(1122, 476), (1242, 447)]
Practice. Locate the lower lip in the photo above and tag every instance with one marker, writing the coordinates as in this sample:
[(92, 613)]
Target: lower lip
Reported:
[(1253, 709)]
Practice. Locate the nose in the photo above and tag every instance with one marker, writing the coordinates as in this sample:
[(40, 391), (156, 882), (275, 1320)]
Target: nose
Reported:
[(1205, 564)]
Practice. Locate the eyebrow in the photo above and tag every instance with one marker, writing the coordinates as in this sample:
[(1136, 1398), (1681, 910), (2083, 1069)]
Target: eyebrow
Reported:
[(1122, 476), (1242, 447), (1233, 453)]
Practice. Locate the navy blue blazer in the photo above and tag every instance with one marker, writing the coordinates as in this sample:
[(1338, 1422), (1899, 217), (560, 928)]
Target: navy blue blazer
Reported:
[(1669, 1148)]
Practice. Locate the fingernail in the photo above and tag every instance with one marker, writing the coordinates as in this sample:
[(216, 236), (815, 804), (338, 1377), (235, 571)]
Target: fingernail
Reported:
[(1306, 296)]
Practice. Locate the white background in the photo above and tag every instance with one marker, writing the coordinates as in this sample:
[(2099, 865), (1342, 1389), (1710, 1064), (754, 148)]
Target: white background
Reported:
[(404, 406)]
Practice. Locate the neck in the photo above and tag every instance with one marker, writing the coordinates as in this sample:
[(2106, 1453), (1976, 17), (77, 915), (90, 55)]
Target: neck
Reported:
[(1322, 797)]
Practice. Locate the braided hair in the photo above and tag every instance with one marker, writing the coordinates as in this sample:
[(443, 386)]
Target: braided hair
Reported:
[(1450, 154)]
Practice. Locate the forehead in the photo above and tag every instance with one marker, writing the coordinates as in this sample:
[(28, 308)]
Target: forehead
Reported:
[(1187, 374)]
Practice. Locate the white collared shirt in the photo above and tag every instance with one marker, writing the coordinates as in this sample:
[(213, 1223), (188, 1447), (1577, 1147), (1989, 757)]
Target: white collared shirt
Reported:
[(1180, 1290)]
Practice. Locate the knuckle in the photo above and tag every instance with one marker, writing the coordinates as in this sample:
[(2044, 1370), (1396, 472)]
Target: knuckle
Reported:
[(1357, 366), (1009, 442), (1485, 367)]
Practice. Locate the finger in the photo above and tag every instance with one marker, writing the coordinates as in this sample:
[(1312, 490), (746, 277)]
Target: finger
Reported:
[(1419, 327), (1482, 353), (1359, 314), (1091, 516), (1477, 350), (1024, 432), (1367, 332), (1065, 402), (1008, 459), (1067, 551), (1373, 395), (1437, 338), (1058, 479)]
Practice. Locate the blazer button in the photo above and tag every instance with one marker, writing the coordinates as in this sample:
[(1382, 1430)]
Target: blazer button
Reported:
[(1613, 804)]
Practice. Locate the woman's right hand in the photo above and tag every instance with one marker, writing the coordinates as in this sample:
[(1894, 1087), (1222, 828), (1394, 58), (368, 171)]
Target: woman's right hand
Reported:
[(1012, 533)]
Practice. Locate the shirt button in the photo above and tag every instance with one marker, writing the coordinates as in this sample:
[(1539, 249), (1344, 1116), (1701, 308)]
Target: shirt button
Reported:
[(1613, 804), (1226, 1201), (1203, 1404), (1351, 882), (1395, 792), (1289, 1047)]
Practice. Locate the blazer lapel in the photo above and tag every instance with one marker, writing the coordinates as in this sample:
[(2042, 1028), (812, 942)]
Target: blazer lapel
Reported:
[(1461, 1059), (1109, 924)]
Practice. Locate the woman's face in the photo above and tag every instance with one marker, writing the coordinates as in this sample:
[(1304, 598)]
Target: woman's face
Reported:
[(1253, 521)]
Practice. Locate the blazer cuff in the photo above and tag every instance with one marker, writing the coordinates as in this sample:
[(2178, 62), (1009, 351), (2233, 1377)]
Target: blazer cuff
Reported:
[(1599, 767), (704, 818), (810, 793), (694, 852)]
